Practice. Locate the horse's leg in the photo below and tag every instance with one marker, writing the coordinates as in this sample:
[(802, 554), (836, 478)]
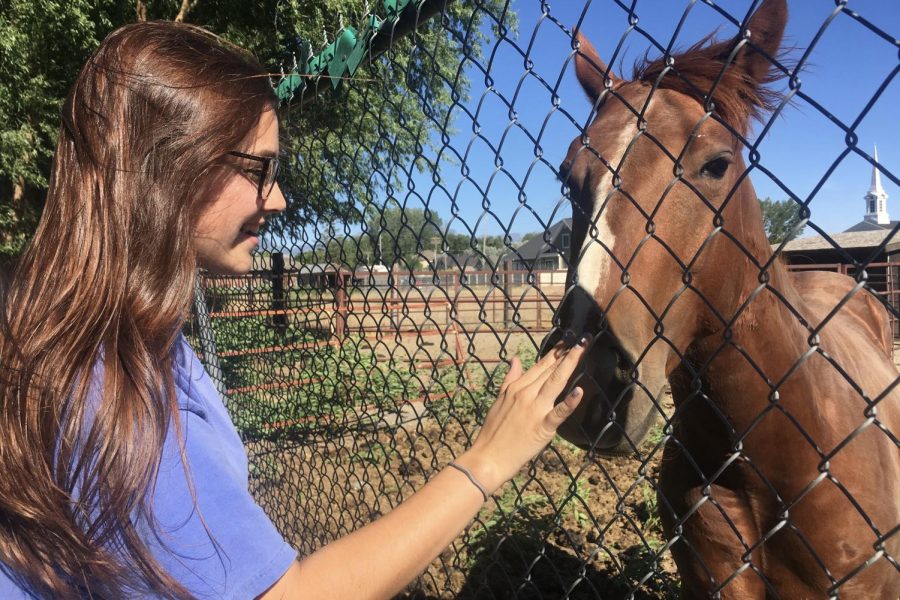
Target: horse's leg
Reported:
[(713, 538)]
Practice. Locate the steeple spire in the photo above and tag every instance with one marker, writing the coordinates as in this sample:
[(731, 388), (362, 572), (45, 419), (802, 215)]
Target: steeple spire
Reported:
[(876, 198), (876, 188)]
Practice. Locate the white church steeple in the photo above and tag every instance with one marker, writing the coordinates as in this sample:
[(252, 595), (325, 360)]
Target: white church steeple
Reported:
[(876, 199)]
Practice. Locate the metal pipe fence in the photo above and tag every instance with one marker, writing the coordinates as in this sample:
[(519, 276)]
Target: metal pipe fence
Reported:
[(361, 354)]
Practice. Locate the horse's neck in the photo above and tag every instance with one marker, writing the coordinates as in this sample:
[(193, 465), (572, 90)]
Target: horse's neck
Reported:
[(736, 365), (755, 304)]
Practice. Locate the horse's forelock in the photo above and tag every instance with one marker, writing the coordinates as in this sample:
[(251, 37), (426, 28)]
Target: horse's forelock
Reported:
[(738, 97)]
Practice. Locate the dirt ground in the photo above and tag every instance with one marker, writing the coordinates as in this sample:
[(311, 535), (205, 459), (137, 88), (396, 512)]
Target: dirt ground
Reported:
[(568, 525)]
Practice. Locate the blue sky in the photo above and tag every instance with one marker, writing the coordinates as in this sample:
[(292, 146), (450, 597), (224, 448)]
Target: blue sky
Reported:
[(844, 70)]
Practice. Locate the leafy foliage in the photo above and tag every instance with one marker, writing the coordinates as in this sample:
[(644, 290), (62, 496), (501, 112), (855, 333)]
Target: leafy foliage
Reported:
[(780, 219), (402, 236), (43, 43), (395, 235)]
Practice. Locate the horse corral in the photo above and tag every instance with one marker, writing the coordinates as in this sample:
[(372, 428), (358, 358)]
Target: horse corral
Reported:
[(739, 433)]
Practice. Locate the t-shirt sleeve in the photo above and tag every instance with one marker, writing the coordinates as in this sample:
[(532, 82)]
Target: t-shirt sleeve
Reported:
[(239, 554)]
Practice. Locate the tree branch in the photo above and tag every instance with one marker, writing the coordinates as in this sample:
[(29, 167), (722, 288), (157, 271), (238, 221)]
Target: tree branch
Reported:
[(141, 10), (186, 7)]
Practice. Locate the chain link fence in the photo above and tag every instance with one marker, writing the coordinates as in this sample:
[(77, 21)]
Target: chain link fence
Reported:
[(359, 356)]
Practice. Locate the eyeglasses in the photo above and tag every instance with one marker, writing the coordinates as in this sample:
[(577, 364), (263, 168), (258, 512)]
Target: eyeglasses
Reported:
[(265, 175)]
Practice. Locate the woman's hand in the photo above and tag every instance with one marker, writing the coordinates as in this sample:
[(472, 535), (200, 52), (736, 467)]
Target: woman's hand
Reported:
[(524, 418), (520, 423)]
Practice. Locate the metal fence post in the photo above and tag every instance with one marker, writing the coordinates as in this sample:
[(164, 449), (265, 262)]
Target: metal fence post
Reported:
[(279, 316), (207, 338), (341, 304), (507, 294)]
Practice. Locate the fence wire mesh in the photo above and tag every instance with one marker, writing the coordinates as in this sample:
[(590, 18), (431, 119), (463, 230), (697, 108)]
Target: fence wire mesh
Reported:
[(359, 356)]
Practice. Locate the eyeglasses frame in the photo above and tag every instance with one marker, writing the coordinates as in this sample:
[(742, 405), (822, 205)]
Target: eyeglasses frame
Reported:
[(267, 162)]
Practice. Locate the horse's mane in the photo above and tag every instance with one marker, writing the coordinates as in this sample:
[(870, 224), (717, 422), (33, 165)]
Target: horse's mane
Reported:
[(738, 97)]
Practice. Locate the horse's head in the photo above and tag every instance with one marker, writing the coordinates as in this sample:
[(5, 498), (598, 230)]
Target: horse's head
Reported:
[(660, 195)]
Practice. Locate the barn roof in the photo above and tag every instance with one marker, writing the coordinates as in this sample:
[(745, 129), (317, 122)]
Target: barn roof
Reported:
[(846, 240), (870, 226)]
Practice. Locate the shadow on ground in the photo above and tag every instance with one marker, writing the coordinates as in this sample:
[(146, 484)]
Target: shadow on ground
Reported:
[(526, 568)]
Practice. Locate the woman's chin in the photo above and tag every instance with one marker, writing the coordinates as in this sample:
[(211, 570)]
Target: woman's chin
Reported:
[(228, 266)]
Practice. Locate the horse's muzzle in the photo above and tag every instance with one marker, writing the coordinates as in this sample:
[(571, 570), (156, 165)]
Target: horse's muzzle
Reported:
[(607, 375)]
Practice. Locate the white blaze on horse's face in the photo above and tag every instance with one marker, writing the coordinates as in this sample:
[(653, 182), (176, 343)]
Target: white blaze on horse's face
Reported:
[(595, 262)]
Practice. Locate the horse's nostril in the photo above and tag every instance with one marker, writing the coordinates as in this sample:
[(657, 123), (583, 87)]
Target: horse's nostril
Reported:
[(562, 334), (625, 369), (553, 338)]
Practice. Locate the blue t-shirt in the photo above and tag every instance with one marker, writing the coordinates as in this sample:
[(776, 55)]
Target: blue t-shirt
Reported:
[(249, 555)]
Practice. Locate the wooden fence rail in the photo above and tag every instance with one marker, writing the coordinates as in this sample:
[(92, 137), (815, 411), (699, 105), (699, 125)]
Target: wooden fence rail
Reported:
[(400, 306)]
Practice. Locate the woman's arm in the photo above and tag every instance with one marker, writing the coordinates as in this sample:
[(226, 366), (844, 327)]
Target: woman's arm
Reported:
[(378, 560)]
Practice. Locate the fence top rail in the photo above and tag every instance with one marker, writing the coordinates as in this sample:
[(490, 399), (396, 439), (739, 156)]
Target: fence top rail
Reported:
[(424, 275), (401, 272)]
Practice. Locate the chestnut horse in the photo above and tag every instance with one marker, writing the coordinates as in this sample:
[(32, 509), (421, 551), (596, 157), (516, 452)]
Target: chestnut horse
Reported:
[(781, 473)]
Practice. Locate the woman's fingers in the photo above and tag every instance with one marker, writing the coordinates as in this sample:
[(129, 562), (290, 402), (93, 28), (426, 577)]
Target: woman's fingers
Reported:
[(564, 409), (523, 419), (515, 371), (554, 382), (542, 367)]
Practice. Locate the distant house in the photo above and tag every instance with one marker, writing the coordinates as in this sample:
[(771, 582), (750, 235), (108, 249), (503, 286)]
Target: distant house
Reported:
[(376, 275), (322, 276), (541, 255)]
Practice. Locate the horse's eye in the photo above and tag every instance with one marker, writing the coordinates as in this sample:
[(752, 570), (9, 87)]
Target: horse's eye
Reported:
[(716, 168)]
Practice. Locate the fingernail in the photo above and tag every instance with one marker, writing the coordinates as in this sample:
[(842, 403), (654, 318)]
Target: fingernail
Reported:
[(583, 340), (575, 393)]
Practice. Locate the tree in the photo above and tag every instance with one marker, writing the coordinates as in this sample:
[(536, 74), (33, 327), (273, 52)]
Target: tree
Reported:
[(780, 219), (338, 147), (401, 235), (460, 243)]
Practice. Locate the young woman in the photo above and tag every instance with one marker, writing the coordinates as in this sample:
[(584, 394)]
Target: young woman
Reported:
[(122, 474)]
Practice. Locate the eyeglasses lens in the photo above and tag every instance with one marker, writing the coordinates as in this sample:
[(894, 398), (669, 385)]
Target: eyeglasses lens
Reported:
[(271, 175)]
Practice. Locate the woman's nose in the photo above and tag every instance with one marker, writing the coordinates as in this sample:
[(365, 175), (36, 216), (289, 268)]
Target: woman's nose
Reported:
[(276, 201)]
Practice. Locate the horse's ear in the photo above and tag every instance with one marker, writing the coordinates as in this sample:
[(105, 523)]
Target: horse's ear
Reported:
[(766, 28), (590, 70)]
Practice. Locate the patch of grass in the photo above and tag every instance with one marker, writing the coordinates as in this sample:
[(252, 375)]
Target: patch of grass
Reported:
[(561, 442), (374, 453), (339, 384), (583, 490), (473, 387), (648, 511), (640, 571), (655, 436)]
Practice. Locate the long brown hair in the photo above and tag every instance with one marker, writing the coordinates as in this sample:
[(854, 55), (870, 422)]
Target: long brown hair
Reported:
[(96, 301)]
